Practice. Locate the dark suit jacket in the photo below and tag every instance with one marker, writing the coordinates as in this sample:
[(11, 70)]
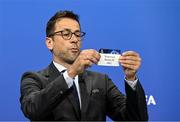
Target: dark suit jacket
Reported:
[(46, 96)]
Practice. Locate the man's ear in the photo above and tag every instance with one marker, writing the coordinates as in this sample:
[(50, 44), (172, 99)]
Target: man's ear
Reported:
[(49, 43)]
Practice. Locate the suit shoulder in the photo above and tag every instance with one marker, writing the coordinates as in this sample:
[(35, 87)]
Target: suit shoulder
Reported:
[(35, 74)]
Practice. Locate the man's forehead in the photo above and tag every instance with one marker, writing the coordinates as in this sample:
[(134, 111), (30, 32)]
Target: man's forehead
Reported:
[(67, 23)]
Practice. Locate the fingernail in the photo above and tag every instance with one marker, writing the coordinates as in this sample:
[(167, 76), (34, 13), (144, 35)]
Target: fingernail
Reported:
[(123, 53)]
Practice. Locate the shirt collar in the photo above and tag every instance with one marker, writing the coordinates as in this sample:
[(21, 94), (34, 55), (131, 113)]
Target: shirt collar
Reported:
[(59, 66)]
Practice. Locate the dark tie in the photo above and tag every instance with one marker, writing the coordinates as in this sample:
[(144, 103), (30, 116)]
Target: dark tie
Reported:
[(75, 93)]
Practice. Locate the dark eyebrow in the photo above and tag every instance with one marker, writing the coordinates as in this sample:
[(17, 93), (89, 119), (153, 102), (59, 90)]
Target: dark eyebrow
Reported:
[(67, 29)]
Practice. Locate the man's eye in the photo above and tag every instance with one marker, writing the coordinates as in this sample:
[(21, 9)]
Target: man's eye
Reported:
[(78, 34), (66, 33)]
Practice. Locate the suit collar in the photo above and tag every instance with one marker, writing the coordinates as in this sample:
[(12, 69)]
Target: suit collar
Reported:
[(53, 72)]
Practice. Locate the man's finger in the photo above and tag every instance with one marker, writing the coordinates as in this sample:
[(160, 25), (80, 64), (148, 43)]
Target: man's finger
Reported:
[(129, 66), (96, 54), (130, 53), (93, 59), (134, 58), (129, 62), (88, 63)]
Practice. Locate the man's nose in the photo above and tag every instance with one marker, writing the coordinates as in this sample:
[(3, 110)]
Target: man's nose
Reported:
[(74, 38)]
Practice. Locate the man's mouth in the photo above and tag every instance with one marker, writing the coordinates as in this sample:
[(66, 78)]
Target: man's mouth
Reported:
[(74, 50)]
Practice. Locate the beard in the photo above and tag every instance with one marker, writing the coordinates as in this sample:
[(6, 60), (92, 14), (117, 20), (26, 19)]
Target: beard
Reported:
[(69, 58)]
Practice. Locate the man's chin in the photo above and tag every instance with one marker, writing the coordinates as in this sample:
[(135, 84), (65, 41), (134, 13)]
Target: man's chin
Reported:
[(71, 61), (72, 58)]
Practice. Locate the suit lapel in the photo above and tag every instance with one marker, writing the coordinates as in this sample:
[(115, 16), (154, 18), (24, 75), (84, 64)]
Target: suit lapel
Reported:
[(53, 72), (85, 85)]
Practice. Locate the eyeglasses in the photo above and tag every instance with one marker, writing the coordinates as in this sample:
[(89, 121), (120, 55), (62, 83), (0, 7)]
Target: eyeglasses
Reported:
[(67, 34)]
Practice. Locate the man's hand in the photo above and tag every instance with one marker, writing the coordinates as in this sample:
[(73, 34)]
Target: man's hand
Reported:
[(130, 62), (85, 59)]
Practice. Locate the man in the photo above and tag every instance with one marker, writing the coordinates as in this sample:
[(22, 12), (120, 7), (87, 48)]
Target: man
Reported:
[(65, 90)]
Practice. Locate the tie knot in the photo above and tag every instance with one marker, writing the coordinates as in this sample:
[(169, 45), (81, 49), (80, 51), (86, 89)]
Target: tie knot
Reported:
[(63, 71)]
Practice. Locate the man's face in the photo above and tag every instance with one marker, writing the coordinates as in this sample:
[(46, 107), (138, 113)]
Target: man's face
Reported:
[(66, 50)]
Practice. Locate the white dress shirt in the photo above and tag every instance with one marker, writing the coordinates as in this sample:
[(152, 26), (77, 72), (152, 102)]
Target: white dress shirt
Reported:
[(70, 80)]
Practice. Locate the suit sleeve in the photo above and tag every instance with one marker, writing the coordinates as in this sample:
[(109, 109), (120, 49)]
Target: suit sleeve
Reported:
[(127, 108), (37, 99)]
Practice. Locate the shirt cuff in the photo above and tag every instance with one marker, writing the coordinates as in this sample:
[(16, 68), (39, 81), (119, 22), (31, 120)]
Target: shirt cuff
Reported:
[(132, 84), (68, 79)]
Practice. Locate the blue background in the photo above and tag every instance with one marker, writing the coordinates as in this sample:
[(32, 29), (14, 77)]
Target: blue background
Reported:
[(149, 27)]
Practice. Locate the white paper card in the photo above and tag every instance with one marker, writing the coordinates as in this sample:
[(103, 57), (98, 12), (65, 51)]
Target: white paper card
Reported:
[(109, 60)]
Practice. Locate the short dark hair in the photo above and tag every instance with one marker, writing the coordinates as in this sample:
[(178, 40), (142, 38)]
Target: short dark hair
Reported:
[(50, 27)]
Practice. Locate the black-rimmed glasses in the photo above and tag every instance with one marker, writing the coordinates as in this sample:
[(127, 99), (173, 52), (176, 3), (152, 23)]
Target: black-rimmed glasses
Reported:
[(67, 34)]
